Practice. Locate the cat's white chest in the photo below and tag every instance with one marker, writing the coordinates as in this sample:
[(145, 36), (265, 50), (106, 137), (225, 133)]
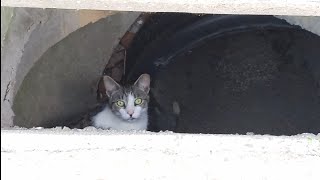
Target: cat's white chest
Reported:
[(107, 120)]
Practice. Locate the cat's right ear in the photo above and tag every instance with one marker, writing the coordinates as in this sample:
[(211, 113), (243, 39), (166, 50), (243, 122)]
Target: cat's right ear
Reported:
[(143, 83), (110, 85)]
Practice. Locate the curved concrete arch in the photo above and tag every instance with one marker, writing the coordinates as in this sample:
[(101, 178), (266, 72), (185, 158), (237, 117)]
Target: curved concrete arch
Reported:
[(29, 33)]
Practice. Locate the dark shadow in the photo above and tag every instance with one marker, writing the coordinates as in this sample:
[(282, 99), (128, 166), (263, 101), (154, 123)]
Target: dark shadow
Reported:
[(232, 74)]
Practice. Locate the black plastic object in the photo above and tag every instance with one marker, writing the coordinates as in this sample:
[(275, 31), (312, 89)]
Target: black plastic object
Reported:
[(158, 53)]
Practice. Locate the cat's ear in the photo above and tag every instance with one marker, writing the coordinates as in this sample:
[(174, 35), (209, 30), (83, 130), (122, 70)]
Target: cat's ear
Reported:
[(143, 83), (110, 85)]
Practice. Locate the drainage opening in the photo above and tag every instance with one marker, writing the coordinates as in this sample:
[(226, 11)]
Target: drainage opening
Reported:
[(229, 74), (210, 74)]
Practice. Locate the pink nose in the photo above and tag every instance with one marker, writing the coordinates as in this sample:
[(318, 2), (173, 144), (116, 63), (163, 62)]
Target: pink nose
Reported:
[(130, 112)]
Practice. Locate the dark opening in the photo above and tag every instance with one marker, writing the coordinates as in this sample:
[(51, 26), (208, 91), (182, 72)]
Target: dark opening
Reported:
[(228, 74)]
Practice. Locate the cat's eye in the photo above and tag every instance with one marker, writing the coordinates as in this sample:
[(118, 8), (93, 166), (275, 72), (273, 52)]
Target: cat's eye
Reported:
[(120, 103), (138, 101)]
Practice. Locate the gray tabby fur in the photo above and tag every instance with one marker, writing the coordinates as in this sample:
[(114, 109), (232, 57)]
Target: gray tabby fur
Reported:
[(131, 116)]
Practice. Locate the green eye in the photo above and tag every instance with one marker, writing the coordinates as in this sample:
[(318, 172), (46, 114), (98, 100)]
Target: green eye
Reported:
[(138, 101), (120, 103)]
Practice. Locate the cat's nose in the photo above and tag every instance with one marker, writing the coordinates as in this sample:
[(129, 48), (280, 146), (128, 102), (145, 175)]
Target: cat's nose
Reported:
[(130, 112)]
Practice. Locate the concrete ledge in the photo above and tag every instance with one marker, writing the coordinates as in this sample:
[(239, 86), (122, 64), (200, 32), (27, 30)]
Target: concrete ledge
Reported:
[(271, 7), (97, 154)]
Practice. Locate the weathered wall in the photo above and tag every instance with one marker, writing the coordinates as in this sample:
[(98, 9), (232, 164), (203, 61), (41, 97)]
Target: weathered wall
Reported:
[(31, 33), (61, 84), (6, 15), (6, 112)]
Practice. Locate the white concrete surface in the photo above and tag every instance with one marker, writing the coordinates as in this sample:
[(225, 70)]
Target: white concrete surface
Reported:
[(272, 7), (91, 154)]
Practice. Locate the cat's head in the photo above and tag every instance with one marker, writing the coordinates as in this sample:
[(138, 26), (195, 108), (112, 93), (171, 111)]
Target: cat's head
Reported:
[(129, 103)]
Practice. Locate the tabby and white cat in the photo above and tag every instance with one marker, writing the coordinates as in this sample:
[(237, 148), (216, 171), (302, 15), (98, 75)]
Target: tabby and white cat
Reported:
[(128, 106)]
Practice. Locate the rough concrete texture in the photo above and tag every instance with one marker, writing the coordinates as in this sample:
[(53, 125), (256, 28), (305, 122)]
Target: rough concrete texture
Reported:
[(31, 33), (6, 112), (97, 154), (270, 7), (6, 15), (61, 84)]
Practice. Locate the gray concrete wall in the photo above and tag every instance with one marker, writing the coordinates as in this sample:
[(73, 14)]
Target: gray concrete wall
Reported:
[(32, 32), (6, 112), (6, 15), (61, 85)]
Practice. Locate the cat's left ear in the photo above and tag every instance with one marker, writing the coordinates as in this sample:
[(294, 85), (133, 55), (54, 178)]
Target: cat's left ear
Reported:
[(110, 85), (143, 83)]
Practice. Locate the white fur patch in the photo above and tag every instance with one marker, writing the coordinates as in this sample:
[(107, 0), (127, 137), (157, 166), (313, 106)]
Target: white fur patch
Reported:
[(137, 112), (107, 120), (130, 104), (124, 114)]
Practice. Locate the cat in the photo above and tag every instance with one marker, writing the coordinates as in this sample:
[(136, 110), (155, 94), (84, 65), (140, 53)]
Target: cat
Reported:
[(127, 108)]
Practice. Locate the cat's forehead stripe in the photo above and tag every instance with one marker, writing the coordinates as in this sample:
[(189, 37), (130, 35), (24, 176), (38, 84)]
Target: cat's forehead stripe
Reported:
[(125, 91)]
